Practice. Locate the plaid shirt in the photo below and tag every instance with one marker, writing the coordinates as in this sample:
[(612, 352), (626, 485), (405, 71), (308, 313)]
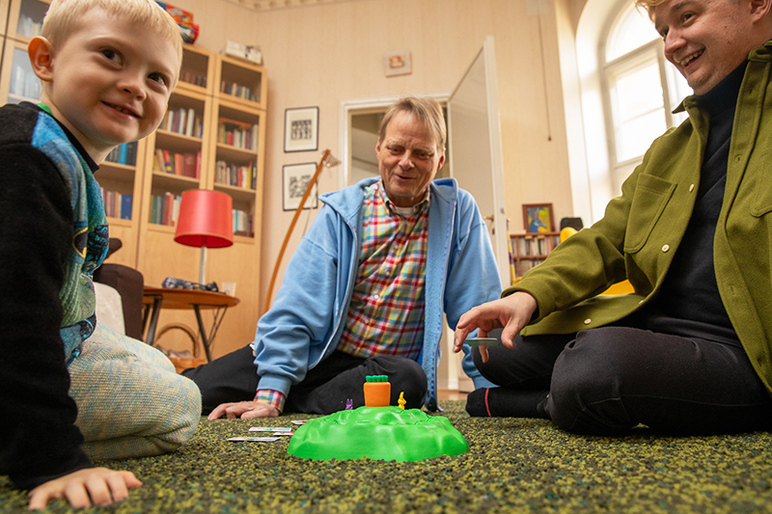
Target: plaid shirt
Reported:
[(386, 313)]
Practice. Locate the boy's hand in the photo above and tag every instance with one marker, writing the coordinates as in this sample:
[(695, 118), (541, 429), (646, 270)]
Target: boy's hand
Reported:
[(85, 487), (511, 313), (244, 410)]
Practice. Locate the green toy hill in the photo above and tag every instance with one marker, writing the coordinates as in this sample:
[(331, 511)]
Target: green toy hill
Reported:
[(381, 433)]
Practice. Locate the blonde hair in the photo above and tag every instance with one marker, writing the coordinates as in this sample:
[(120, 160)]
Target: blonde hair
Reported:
[(649, 5), (427, 110), (63, 18)]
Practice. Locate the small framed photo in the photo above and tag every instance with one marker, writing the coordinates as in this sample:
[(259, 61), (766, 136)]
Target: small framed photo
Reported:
[(538, 217), (301, 129), (296, 178), (397, 63)]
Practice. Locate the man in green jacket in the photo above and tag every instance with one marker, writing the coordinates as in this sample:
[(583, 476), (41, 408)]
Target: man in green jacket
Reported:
[(691, 350)]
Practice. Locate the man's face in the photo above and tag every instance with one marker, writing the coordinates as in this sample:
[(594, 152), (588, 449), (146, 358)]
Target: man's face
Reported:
[(706, 39), (109, 82), (408, 159)]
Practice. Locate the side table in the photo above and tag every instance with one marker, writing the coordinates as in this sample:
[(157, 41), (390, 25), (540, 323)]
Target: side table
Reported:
[(156, 298)]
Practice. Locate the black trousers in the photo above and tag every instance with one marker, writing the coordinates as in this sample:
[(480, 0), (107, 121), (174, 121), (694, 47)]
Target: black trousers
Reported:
[(608, 380), (325, 389)]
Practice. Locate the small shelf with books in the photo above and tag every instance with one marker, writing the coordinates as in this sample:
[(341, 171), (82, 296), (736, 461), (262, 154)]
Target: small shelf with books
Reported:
[(176, 154), (175, 166), (241, 82), (237, 165), (530, 249), (116, 176), (164, 208), (197, 68), (185, 116)]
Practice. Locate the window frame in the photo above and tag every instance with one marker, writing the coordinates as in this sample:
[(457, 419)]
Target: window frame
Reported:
[(650, 52)]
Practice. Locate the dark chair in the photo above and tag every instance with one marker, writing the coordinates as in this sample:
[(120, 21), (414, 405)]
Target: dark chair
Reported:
[(130, 284), (575, 223)]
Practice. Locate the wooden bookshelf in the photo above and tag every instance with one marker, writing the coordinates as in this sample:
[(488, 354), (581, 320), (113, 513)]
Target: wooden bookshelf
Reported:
[(530, 249)]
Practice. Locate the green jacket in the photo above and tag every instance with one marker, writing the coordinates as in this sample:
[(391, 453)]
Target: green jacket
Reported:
[(641, 230)]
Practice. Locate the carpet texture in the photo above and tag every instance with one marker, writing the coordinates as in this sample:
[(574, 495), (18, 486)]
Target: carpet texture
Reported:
[(514, 465)]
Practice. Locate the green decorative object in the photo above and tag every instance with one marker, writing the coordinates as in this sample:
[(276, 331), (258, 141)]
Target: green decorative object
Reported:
[(379, 433)]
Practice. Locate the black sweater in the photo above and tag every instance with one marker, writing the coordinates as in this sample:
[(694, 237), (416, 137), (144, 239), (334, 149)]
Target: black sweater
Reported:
[(39, 440)]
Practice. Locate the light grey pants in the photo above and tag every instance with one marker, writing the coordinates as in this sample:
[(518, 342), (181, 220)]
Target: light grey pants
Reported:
[(131, 402)]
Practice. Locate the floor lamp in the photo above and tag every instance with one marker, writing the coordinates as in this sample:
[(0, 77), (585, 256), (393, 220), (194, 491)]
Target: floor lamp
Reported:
[(327, 160)]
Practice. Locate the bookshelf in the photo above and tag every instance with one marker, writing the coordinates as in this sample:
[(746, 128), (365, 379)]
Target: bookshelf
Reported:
[(212, 138), (530, 249)]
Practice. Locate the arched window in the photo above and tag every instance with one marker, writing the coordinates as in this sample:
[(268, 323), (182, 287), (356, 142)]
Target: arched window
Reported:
[(627, 92), (641, 89)]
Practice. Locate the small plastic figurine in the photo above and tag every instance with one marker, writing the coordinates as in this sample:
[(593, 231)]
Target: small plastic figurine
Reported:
[(401, 400), (349, 404), (377, 391)]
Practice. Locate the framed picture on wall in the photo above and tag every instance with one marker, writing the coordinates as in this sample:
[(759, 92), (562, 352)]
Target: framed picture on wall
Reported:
[(537, 217), (296, 178), (301, 129)]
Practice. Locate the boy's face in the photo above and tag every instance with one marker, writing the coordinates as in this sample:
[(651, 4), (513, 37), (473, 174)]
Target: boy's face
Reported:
[(108, 82)]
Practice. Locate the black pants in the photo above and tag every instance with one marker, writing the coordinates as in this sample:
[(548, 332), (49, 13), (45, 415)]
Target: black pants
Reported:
[(340, 377), (608, 380)]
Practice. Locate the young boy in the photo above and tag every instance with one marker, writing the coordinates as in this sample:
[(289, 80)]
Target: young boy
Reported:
[(107, 69)]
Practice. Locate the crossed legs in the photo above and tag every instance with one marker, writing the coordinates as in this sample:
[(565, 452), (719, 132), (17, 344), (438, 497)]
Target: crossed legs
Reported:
[(608, 380)]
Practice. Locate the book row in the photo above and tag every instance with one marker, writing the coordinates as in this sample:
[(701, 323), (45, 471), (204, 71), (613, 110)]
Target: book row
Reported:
[(117, 205), (242, 224), (237, 91), (238, 134), (191, 77), (165, 209), (184, 121), (182, 164), (124, 154), (28, 26), (24, 83), (234, 175), (535, 244)]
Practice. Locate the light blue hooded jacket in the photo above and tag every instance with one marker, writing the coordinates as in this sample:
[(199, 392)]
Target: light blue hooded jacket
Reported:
[(305, 322)]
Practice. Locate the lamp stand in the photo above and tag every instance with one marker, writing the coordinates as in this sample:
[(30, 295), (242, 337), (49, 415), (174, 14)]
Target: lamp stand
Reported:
[(202, 269), (299, 209)]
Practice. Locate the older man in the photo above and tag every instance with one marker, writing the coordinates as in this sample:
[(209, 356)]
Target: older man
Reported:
[(690, 350), (365, 292)]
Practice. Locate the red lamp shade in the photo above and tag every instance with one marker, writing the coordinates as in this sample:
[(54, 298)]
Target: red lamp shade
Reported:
[(205, 219)]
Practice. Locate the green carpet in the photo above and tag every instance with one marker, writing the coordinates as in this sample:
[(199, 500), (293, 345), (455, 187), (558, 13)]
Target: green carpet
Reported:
[(514, 465)]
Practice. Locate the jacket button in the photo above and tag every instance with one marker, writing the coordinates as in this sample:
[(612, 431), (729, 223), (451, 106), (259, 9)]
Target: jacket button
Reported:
[(691, 188), (665, 248), (587, 321)]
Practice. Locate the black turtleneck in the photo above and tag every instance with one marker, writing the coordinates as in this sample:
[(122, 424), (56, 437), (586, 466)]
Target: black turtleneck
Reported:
[(689, 301)]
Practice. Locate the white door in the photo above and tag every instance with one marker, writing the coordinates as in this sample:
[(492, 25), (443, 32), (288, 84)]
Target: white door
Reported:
[(474, 135)]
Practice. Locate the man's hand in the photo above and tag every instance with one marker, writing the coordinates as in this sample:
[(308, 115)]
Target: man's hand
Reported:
[(85, 487), (511, 313), (244, 410)]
